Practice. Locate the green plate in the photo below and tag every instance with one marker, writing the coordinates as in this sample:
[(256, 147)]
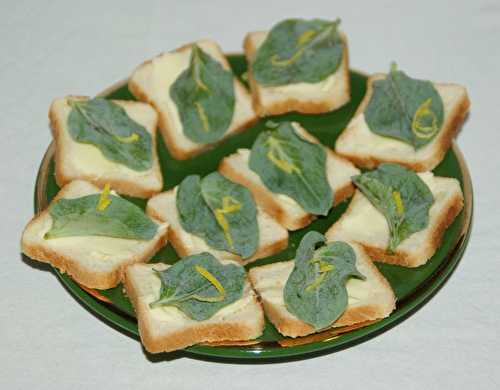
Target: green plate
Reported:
[(413, 287)]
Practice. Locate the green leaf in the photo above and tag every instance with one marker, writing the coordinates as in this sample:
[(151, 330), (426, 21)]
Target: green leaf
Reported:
[(401, 196), (405, 109), (107, 126), (204, 96), (315, 291), (82, 217), (194, 214), (288, 164), (234, 209), (298, 50), (199, 285), (221, 212)]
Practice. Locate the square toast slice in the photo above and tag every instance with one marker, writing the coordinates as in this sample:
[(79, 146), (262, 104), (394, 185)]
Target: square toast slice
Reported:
[(165, 329), (151, 83), (77, 160), (283, 208), (93, 261), (367, 149), (306, 98), (272, 236), (369, 299), (364, 224)]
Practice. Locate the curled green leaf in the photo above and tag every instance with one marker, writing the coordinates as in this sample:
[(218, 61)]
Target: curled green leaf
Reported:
[(401, 196), (290, 165), (204, 96), (199, 285), (405, 109), (220, 211), (107, 126), (91, 216), (315, 291), (298, 50)]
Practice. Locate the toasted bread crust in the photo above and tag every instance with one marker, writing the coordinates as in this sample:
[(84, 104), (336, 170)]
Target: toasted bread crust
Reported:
[(291, 326), (130, 186), (443, 143), (293, 103), (182, 249), (168, 134), (271, 203), (65, 264), (188, 336)]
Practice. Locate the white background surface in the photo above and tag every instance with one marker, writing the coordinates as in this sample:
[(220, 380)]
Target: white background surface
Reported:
[(51, 49)]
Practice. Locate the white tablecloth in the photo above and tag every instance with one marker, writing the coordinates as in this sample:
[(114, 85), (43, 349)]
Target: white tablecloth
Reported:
[(53, 48)]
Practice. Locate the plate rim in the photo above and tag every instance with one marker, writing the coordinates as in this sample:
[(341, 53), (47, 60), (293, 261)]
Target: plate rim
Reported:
[(116, 318)]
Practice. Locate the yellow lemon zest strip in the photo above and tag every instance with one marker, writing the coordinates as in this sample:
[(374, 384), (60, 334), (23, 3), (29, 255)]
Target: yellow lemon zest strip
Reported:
[(324, 268), (277, 62), (212, 279), (316, 282), (229, 205), (400, 208), (305, 37), (274, 156), (200, 83), (203, 117), (418, 128), (104, 200), (134, 137), (196, 70)]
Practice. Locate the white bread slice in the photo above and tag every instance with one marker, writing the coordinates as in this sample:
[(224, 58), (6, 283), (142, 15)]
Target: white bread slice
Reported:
[(306, 98), (151, 83), (283, 208), (364, 224), (369, 299), (94, 262), (367, 149), (76, 160), (272, 236), (166, 329)]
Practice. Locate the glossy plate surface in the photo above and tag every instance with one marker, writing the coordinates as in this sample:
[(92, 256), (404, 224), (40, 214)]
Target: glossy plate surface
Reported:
[(412, 287)]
